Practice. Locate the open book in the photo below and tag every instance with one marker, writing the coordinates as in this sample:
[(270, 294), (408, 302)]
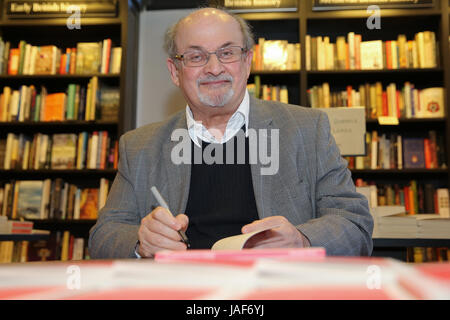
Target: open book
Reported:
[(233, 249)]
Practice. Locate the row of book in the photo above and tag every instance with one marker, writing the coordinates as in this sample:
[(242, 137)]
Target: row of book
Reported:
[(427, 254), (396, 151), (51, 199), (416, 197), (62, 246), (94, 150), (406, 102), (91, 102), (350, 52), (279, 55), (268, 92), (85, 58)]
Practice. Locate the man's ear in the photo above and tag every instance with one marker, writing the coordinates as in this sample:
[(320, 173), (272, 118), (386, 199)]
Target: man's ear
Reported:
[(248, 61), (173, 70)]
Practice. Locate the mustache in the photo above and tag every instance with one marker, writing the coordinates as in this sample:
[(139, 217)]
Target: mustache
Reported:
[(210, 78)]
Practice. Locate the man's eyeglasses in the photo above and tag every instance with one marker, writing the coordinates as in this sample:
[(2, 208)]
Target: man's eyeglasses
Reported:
[(198, 58)]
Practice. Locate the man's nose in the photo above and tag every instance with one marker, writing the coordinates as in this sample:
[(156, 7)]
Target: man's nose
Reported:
[(214, 66)]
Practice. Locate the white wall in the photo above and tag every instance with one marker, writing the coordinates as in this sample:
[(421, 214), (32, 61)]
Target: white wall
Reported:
[(157, 96)]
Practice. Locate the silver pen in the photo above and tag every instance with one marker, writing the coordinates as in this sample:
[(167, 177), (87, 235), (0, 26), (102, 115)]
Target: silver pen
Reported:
[(163, 204)]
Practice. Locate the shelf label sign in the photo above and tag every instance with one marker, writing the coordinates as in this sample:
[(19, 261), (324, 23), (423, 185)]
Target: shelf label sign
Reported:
[(241, 6), (348, 127), (324, 5), (60, 9)]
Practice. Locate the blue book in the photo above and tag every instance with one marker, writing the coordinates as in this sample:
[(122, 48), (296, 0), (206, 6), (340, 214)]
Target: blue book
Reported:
[(413, 153)]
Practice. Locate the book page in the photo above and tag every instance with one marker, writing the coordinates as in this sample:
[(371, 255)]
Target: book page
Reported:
[(236, 242)]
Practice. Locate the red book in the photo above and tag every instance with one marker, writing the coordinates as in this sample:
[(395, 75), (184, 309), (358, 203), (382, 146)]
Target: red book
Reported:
[(427, 151), (62, 64), (349, 96), (385, 104), (388, 55), (72, 239), (13, 61), (436, 205)]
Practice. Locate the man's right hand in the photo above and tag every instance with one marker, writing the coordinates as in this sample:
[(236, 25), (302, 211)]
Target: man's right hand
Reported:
[(159, 231)]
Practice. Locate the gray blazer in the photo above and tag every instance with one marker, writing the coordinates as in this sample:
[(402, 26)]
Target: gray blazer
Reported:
[(313, 188)]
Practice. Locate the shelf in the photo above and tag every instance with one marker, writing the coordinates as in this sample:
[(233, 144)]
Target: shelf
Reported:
[(400, 174), (383, 71), (275, 72), (363, 14), (411, 120), (48, 173), (23, 237), (60, 222), (58, 126), (59, 76), (395, 243), (269, 15), (61, 22)]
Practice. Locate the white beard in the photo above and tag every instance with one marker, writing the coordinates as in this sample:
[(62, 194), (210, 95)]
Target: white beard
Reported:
[(216, 100)]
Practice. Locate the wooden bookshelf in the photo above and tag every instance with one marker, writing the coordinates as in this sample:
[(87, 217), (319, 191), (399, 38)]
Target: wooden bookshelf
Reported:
[(122, 29), (393, 22)]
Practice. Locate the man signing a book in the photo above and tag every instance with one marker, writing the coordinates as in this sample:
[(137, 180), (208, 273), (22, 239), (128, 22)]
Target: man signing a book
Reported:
[(229, 163)]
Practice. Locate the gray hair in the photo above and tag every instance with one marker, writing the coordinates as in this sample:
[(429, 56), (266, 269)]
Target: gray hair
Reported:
[(247, 33)]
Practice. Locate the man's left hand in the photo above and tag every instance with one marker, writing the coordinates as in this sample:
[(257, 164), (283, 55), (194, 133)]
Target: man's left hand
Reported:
[(282, 234)]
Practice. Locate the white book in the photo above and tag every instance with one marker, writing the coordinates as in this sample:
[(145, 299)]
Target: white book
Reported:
[(320, 54), (9, 148), (443, 202), (76, 207), (34, 52), (93, 154), (330, 56), (351, 50), (78, 249), (22, 102), (394, 54), (14, 107), (43, 150), (116, 60), (27, 59), (308, 52)]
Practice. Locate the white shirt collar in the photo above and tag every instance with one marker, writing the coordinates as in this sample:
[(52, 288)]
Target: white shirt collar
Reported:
[(198, 131)]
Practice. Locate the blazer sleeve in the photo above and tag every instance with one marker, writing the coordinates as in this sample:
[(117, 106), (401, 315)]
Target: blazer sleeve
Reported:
[(116, 232), (343, 223)]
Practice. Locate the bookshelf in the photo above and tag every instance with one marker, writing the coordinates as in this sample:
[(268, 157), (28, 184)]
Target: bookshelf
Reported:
[(296, 26), (121, 27)]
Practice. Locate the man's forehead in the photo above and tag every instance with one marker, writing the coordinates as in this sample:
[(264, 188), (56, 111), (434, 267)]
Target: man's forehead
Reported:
[(207, 14), (204, 24)]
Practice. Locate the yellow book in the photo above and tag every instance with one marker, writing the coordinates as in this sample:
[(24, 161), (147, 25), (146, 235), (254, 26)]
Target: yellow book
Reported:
[(65, 246)]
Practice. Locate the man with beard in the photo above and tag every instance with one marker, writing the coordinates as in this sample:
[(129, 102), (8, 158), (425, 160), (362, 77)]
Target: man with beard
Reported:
[(309, 201)]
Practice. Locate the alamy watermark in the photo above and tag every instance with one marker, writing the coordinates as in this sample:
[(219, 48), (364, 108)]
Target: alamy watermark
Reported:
[(73, 281), (374, 21), (373, 281), (74, 20), (260, 142)]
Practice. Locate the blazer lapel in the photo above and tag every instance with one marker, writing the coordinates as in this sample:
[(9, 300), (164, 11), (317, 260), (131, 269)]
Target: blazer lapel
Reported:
[(260, 120), (176, 190)]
